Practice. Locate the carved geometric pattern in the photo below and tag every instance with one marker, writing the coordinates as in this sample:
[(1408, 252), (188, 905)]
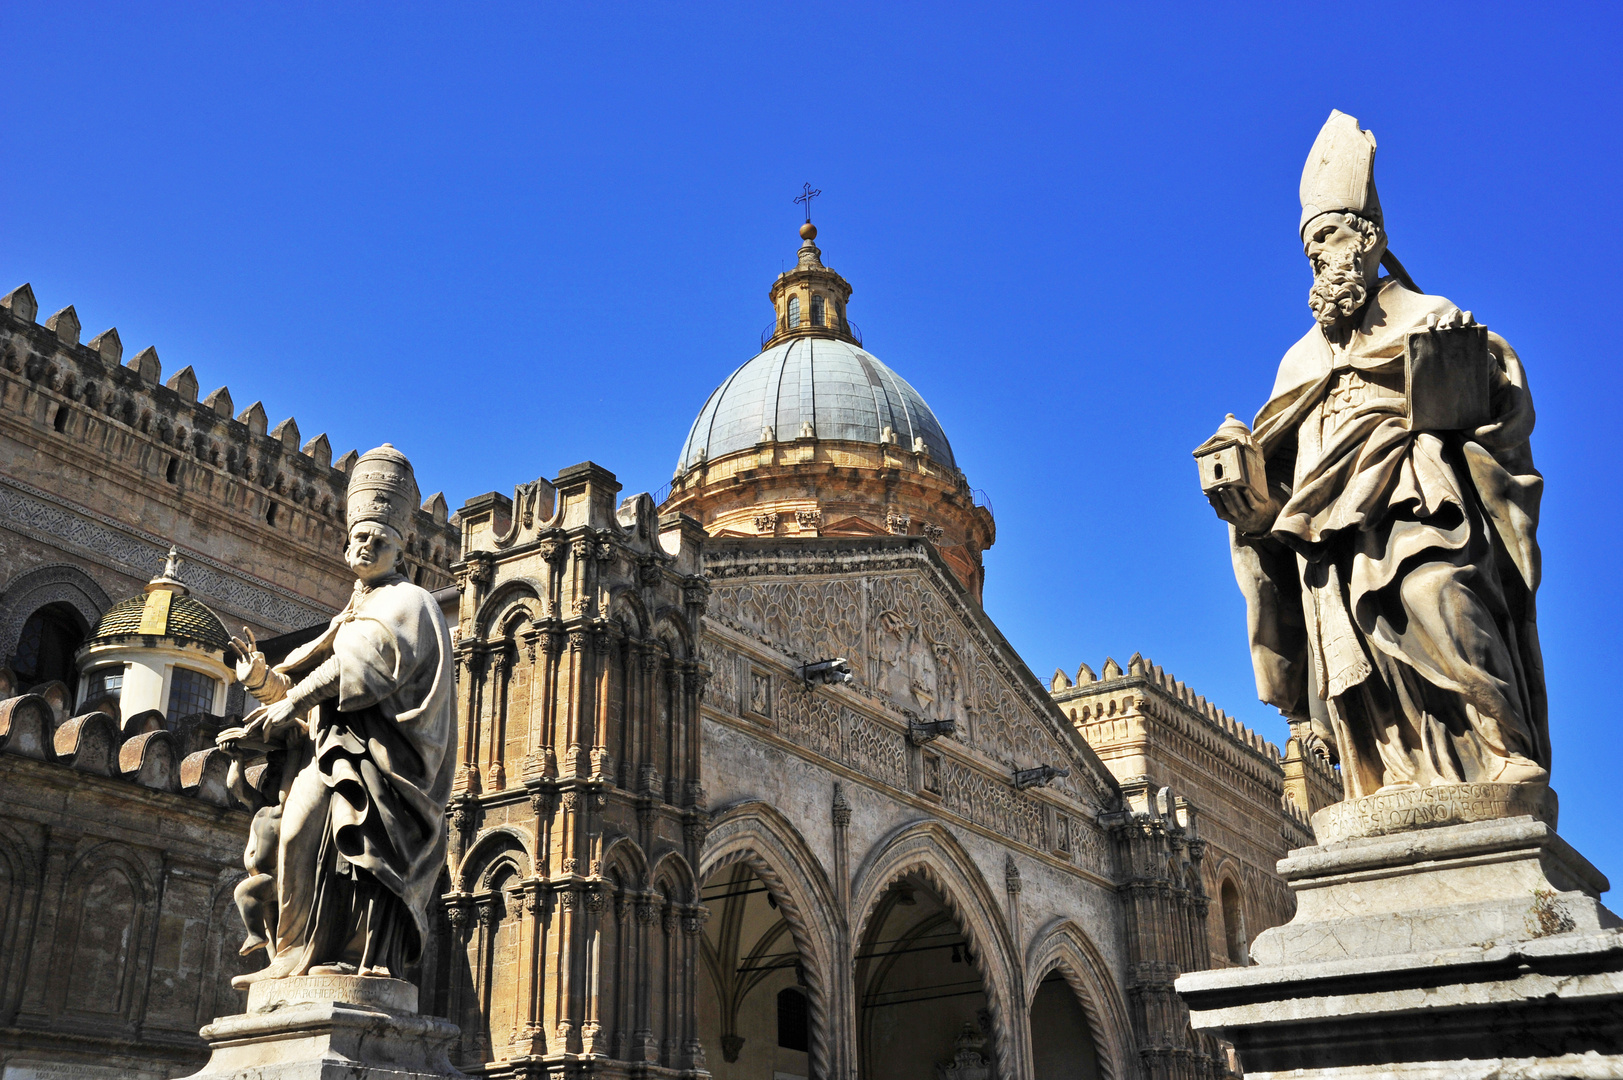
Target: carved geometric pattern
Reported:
[(905, 645), (830, 730), (36, 513), (992, 803)]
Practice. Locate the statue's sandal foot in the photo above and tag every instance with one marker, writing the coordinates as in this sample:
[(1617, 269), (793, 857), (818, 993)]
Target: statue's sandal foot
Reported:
[(253, 943), (333, 969)]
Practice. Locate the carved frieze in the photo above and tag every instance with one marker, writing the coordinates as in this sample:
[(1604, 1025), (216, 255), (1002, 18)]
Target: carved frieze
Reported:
[(992, 803), (35, 513), (721, 692), (813, 618)]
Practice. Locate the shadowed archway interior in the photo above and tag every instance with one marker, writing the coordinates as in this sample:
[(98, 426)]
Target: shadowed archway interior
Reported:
[(920, 998), (1061, 1038), (754, 1017)]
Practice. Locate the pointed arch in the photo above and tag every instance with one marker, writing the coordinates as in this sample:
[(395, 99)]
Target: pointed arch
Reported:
[(625, 854), (17, 882), (1063, 946), (518, 591), (756, 833), (671, 623), (627, 608), (928, 848), (674, 869), (104, 926), (489, 847)]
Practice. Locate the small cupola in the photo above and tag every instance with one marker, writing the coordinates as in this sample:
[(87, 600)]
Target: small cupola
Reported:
[(162, 650), (810, 299)]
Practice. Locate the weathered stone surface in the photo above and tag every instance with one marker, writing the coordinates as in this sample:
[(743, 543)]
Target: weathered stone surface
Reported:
[(1551, 1008), (332, 1027), (1477, 884), (1406, 809), (102, 468), (117, 931), (1478, 941)]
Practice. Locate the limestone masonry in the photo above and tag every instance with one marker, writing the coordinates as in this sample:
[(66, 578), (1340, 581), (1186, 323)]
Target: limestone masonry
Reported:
[(747, 783)]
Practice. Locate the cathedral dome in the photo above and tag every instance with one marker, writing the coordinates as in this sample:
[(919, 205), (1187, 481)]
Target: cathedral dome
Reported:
[(813, 387), (815, 437)]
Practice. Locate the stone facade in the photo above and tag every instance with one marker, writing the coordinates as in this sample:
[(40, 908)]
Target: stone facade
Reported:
[(624, 842), (104, 466), (119, 845), (681, 844), (1150, 728), (118, 934)]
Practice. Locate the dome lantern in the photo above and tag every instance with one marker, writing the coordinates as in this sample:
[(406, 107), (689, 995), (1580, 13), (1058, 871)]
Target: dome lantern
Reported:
[(810, 299)]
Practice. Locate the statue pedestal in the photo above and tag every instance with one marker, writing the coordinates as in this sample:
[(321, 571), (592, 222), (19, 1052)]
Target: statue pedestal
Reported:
[(1446, 952), (329, 1027)]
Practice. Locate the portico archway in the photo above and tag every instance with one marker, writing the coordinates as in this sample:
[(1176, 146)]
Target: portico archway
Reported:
[(921, 1001), (754, 1011), (1062, 1046)]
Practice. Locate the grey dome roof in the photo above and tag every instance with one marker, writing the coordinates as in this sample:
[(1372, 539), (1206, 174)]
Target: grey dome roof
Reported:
[(845, 391)]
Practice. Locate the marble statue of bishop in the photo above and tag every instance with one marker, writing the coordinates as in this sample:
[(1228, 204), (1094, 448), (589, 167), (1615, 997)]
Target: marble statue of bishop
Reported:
[(1389, 569), (358, 726)]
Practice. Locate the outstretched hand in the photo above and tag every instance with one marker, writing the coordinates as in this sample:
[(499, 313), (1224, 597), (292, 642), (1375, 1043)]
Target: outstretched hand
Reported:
[(250, 661), (278, 720)]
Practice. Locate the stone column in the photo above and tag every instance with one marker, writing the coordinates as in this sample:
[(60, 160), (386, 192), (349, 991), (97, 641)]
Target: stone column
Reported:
[(532, 968), (842, 1009), (644, 1048), (501, 664)]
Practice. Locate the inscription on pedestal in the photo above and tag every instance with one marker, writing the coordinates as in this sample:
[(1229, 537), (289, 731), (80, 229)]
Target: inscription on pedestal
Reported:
[(56, 1070), (1404, 809)]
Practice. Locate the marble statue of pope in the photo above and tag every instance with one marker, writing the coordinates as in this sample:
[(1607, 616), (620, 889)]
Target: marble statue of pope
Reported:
[(346, 852), (1389, 572)]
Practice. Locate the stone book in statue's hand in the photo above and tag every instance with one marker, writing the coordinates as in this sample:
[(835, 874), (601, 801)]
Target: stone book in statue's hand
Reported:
[(248, 737), (1447, 375)]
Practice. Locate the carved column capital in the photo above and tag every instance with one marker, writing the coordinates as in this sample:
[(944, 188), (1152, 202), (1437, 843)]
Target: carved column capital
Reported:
[(489, 911), (553, 550), (459, 914)]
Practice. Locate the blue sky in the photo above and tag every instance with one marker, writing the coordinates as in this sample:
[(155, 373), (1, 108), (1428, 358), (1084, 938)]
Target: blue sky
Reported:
[(510, 238)]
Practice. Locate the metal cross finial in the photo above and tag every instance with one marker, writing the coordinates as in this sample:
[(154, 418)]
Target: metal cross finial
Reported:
[(806, 196)]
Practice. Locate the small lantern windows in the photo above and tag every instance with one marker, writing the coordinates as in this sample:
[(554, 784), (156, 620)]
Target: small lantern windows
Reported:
[(794, 312), (817, 311)]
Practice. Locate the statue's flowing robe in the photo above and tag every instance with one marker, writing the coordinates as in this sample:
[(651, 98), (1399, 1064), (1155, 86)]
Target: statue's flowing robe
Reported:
[(1392, 600), (363, 825)]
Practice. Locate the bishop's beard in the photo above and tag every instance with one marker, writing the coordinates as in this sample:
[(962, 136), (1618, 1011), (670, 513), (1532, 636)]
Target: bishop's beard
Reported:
[(1338, 290)]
